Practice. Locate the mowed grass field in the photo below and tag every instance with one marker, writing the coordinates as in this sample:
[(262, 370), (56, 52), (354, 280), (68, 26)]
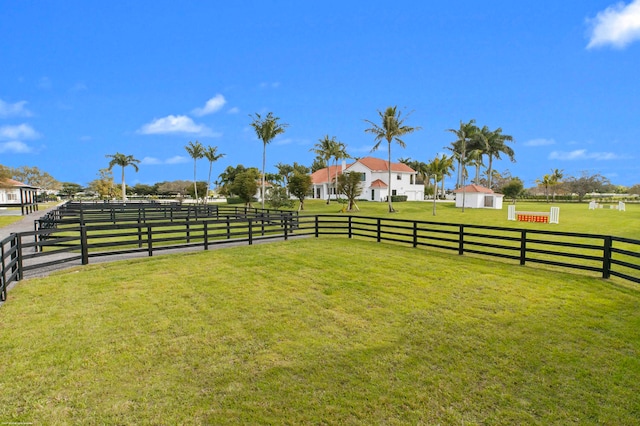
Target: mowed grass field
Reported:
[(574, 217), (326, 331)]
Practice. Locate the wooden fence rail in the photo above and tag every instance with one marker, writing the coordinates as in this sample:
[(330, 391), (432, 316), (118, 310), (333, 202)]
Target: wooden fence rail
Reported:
[(61, 240)]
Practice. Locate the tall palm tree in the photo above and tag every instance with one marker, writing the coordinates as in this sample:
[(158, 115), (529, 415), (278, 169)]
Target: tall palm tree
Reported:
[(123, 161), (340, 153), (266, 129), (211, 153), (556, 177), (196, 151), (496, 145), (474, 158), (325, 149), (446, 166), (392, 128), (545, 182), (466, 134)]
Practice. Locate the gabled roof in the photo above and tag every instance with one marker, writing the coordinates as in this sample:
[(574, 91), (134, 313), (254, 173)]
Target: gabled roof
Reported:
[(12, 183), (378, 184), (474, 188), (379, 165), (320, 176)]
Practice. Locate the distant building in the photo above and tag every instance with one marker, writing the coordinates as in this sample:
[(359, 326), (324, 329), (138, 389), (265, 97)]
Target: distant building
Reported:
[(14, 194), (375, 174), (479, 197)]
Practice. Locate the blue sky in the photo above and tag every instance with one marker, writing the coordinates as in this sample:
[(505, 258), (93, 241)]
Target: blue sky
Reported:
[(80, 80)]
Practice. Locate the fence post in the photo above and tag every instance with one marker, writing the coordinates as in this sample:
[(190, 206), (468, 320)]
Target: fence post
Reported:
[(84, 245), (523, 246), (284, 218), (149, 240), (378, 230), (17, 243), (228, 228), (415, 234), (350, 231), (606, 257), (206, 235), (250, 232), (461, 240), (317, 224), (139, 235)]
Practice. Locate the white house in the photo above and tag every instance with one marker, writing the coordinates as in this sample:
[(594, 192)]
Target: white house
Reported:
[(375, 176), (14, 193), (478, 197)]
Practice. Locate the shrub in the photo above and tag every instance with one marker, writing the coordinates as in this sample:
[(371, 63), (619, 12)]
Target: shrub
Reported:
[(398, 198)]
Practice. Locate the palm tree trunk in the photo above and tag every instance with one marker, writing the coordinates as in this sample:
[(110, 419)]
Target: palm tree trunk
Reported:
[(264, 161), (124, 187), (489, 171), (208, 181), (389, 191), (195, 187), (435, 191), (328, 184)]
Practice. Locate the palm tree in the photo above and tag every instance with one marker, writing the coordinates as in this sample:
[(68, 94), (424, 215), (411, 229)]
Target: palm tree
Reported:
[(325, 149), (446, 166), (392, 128), (266, 129), (211, 153), (556, 177), (466, 134), (123, 161), (474, 157), (495, 141), (545, 182), (196, 151), (339, 153)]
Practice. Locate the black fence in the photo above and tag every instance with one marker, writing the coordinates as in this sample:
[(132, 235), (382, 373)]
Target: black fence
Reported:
[(76, 234)]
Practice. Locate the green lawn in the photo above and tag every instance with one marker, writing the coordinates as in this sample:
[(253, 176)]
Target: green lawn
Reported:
[(319, 331), (574, 217)]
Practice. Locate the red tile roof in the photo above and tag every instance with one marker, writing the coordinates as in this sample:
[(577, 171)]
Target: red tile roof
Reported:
[(12, 182), (377, 165), (320, 176), (378, 184), (373, 164), (474, 188)]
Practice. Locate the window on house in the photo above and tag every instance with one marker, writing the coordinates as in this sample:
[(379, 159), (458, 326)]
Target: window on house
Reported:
[(411, 179), (363, 177), (398, 177), (12, 197), (394, 192)]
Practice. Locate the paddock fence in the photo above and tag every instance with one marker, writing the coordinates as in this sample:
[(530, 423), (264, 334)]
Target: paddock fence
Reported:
[(75, 234)]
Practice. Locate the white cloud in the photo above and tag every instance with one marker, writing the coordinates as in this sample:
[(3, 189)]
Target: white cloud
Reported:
[(273, 85), (21, 131), (286, 141), (79, 87), (15, 147), (14, 110), (539, 142), (178, 159), (213, 105), (152, 161), (582, 154), (175, 124), (234, 110), (45, 83), (617, 25)]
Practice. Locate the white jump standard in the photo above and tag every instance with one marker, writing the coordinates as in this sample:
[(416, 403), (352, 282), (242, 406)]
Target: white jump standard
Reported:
[(552, 216)]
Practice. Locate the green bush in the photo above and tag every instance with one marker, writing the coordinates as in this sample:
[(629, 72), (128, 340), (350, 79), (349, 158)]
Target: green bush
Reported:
[(398, 198), (238, 200)]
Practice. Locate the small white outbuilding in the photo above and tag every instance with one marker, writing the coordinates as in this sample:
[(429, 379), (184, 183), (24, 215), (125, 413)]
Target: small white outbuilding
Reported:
[(478, 197)]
